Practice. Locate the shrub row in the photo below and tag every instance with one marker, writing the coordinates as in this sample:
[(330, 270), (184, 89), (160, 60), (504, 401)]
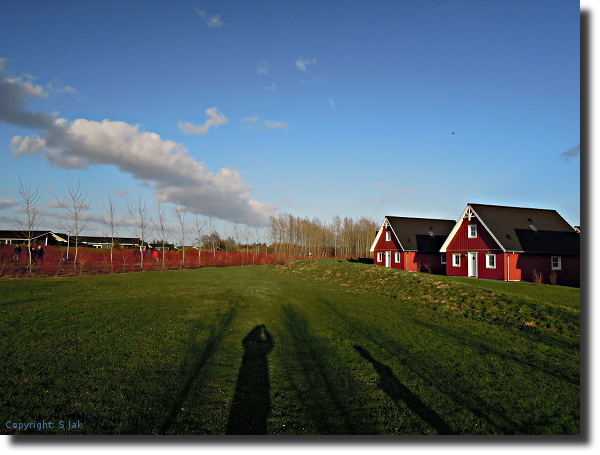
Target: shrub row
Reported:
[(92, 261)]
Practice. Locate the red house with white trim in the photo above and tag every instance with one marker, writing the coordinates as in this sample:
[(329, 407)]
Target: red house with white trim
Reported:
[(509, 243), (411, 244)]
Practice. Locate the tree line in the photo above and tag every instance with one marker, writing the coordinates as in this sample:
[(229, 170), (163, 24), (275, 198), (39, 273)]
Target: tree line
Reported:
[(341, 238), (288, 235)]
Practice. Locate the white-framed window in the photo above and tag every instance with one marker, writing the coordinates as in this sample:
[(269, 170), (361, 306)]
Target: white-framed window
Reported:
[(443, 258), (456, 260), (490, 261), (472, 232), (397, 258), (556, 262), (388, 236), (379, 257)]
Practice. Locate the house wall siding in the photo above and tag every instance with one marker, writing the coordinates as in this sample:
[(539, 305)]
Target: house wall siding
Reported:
[(410, 260), (384, 245), (433, 259), (482, 244), (522, 266)]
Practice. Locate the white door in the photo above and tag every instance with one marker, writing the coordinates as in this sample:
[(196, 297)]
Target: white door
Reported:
[(472, 266), (388, 258)]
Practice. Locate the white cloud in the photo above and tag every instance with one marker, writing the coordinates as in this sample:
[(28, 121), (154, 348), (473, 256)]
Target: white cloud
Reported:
[(256, 122), (276, 125), (263, 68), (331, 102), (176, 176), (216, 119), (15, 93), (7, 203), (302, 63), (163, 164), (211, 21)]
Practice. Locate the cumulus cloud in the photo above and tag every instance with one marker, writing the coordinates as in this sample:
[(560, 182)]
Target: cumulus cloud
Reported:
[(15, 94), (176, 176), (571, 153), (211, 21), (257, 122), (163, 164), (216, 119), (302, 64), (8, 203)]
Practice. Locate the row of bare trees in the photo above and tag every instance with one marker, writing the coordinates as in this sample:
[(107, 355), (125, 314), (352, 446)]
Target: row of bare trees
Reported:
[(342, 237), (289, 235), (140, 222)]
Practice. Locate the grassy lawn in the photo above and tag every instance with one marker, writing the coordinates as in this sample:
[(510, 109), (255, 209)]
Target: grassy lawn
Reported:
[(319, 347)]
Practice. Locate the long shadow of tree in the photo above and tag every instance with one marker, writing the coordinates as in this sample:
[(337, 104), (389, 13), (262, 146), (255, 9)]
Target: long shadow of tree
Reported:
[(398, 392), (460, 392), (328, 395), (252, 402), (203, 351)]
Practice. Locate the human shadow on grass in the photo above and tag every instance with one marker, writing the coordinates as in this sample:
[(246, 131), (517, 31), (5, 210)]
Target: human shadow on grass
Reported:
[(204, 352), (398, 392), (252, 401)]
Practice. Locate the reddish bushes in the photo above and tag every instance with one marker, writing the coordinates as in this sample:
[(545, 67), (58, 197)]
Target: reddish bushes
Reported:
[(92, 261)]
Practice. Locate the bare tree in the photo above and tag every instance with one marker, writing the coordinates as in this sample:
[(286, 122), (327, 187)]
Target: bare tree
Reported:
[(199, 225), (211, 230), (30, 207), (111, 223), (180, 213), (257, 238), (161, 225), (141, 224), (74, 206)]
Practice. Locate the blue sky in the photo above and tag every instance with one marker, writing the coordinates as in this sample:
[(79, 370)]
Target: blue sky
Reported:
[(246, 109)]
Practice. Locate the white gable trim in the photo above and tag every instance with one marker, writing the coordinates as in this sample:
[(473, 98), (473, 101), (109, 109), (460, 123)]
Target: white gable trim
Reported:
[(386, 223), (385, 220), (467, 213)]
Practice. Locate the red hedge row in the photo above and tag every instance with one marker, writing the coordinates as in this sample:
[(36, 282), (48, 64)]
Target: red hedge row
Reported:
[(92, 261)]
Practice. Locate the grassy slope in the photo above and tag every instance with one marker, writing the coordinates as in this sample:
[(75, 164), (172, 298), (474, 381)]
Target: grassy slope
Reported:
[(162, 353)]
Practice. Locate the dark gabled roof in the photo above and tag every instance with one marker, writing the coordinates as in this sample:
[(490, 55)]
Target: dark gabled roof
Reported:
[(528, 230), (420, 234)]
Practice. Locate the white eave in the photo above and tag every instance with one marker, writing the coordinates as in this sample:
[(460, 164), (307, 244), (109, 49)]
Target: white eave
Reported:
[(467, 213), (386, 223)]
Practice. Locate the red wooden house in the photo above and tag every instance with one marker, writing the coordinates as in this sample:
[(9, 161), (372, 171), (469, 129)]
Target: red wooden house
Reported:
[(411, 244), (509, 243)]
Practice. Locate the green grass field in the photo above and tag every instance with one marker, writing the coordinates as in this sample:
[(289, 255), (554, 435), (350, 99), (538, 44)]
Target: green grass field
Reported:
[(318, 347)]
